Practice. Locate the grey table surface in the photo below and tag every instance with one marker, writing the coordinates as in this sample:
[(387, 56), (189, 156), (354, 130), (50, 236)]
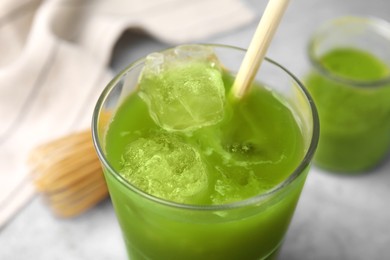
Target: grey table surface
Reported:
[(338, 217)]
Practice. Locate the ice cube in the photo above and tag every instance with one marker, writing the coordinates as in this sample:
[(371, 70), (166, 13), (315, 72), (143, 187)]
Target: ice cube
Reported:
[(165, 167), (154, 63), (183, 88), (185, 53)]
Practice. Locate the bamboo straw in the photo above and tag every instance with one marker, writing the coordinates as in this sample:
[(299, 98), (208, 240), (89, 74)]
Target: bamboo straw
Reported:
[(258, 46)]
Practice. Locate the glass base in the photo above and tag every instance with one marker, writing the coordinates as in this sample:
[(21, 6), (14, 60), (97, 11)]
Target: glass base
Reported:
[(274, 255)]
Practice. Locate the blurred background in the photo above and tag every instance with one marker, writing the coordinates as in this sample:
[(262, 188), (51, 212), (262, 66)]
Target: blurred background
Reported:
[(338, 217)]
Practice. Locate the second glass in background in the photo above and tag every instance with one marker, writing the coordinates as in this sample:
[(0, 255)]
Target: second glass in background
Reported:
[(350, 84)]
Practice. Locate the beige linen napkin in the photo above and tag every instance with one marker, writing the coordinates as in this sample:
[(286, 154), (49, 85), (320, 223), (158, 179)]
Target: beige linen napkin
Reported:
[(53, 65)]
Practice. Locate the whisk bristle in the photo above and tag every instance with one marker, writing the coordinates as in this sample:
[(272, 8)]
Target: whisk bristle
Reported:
[(68, 174)]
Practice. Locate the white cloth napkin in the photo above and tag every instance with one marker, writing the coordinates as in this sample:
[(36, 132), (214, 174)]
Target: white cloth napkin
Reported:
[(54, 63)]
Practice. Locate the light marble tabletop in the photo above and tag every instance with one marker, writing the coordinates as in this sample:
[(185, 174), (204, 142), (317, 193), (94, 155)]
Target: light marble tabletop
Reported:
[(338, 217)]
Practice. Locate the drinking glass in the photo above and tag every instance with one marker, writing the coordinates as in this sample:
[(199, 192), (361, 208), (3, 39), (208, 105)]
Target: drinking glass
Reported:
[(154, 228), (354, 107)]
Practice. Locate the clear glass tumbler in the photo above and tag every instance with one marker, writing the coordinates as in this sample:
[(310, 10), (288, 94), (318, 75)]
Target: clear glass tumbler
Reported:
[(349, 81), (254, 228)]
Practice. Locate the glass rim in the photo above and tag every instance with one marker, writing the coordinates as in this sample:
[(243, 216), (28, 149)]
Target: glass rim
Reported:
[(381, 26), (305, 162)]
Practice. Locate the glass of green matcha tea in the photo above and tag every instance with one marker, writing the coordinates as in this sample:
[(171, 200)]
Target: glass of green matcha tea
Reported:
[(350, 84), (194, 173)]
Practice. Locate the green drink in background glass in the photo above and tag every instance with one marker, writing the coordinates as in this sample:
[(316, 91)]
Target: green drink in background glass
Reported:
[(350, 84), (194, 174)]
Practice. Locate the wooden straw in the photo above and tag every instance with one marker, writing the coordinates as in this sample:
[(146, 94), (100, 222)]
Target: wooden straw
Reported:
[(256, 51)]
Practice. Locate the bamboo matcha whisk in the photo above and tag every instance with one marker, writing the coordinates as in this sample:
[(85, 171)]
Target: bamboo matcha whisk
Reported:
[(68, 174)]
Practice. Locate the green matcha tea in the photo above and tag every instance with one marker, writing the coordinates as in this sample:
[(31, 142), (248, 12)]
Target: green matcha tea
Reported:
[(254, 148), (351, 89)]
